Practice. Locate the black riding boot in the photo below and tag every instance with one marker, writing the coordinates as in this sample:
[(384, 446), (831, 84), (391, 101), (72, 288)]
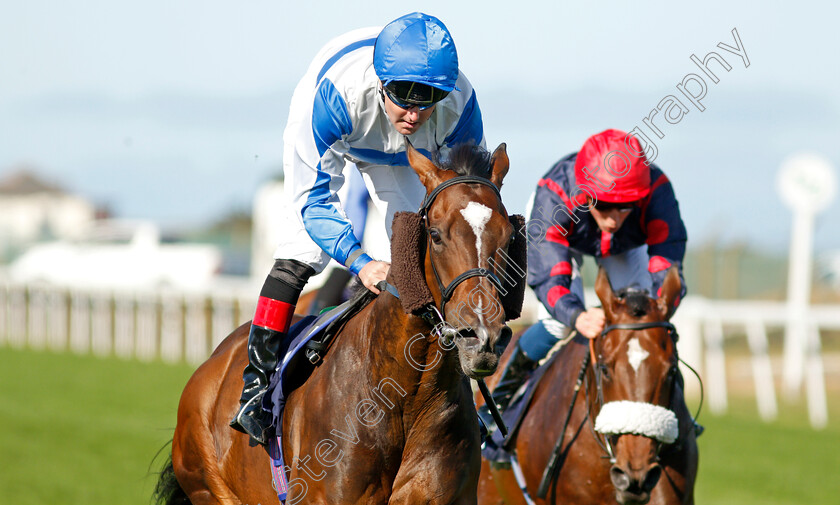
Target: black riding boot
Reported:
[(272, 319), (263, 346)]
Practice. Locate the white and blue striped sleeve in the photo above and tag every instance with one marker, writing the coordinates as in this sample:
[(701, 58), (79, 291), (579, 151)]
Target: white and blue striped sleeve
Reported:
[(470, 127), (320, 208)]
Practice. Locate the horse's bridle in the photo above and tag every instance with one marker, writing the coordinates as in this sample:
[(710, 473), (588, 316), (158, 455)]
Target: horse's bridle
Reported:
[(597, 370), (447, 291), (672, 332)]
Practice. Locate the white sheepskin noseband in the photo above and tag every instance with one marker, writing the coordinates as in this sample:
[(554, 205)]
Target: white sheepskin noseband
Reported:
[(638, 418)]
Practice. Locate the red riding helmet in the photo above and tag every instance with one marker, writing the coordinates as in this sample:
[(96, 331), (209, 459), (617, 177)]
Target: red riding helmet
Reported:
[(612, 164)]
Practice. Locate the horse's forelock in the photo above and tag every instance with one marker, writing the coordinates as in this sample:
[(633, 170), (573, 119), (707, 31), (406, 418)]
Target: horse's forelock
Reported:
[(467, 159), (637, 302)]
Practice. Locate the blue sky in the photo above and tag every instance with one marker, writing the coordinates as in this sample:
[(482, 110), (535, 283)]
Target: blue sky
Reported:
[(175, 110)]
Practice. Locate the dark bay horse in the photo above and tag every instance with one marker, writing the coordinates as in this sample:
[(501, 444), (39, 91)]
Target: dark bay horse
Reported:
[(628, 388), (388, 416)]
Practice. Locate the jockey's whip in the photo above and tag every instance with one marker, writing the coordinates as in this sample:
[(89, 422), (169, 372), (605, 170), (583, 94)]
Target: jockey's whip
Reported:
[(491, 405), (548, 474)]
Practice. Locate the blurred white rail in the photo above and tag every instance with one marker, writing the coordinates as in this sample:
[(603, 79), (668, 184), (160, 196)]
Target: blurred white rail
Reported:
[(705, 325), (176, 326), (169, 325)]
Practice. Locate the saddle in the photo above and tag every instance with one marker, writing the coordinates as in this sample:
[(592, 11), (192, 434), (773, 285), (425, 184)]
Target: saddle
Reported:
[(308, 343)]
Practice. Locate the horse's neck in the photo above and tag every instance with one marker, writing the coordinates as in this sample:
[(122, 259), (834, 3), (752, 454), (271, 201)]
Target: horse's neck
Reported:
[(407, 350)]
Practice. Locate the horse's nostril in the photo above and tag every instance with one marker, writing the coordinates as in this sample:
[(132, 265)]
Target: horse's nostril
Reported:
[(652, 478), (503, 340), (620, 480), (636, 482)]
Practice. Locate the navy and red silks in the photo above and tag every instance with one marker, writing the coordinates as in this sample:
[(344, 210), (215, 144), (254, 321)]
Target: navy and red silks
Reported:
[(560, 227)]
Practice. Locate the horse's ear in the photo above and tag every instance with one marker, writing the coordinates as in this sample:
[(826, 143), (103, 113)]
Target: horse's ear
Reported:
[(500, 164), (428, 172), (605, 293), (669, 293)]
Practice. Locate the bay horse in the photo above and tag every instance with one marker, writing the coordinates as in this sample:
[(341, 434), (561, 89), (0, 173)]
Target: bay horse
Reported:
[(612, 447), (388, 415)]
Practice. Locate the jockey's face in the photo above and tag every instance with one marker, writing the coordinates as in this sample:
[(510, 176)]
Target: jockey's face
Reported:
[(406, 121), (610, 218)]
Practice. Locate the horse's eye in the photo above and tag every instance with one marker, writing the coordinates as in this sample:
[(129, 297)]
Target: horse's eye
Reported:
[(435, 236)]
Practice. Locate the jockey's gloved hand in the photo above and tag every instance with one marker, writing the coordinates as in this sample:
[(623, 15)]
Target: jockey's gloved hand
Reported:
[(590, 324), (373, 273)]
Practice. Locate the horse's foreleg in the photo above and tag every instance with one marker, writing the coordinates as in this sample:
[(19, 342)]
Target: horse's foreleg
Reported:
[(418, 491), (443, 479), (202, 442), (198, 473)]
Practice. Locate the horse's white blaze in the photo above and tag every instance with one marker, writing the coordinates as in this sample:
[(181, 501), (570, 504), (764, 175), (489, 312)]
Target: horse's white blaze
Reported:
[(618, 418), (477, 216), (479, 310), (635, 354)]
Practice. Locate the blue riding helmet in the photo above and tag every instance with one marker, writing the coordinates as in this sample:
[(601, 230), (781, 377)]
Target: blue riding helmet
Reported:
[(416, 47)]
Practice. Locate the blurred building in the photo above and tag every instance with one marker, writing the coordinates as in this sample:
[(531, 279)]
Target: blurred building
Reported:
[(32, 209), (119, 254), (266, 227), (269, 215)]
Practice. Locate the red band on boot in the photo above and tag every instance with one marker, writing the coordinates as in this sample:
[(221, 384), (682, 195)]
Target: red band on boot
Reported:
[(273, 314)]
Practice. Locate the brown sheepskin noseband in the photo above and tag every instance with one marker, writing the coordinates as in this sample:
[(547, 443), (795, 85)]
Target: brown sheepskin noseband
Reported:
[(408, 245), (408, 241)]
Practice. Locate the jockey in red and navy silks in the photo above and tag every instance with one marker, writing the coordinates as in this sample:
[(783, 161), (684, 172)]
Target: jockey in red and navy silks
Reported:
[(363, 95), (653, 220), (604, 201)]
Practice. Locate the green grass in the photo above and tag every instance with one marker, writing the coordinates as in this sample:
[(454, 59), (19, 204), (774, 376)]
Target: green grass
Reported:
[(83, 430), (745, 461)]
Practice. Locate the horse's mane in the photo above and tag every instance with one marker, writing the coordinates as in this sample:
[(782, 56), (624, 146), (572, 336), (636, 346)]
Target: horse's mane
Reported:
[(636, 300), (359, 293), (466, 159)]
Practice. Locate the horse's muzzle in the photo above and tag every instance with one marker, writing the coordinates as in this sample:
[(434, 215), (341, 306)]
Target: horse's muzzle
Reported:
[(479, 350), (482, 339)]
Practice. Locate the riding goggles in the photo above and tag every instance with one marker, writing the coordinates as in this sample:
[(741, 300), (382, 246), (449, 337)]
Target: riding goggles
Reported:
[(620, 206), (407, 94)]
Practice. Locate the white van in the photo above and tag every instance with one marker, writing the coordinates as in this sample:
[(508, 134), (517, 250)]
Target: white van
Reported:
[(119, 254)]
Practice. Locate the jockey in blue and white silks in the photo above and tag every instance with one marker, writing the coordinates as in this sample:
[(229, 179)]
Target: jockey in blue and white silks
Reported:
[(363, 95), (338, 118)]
